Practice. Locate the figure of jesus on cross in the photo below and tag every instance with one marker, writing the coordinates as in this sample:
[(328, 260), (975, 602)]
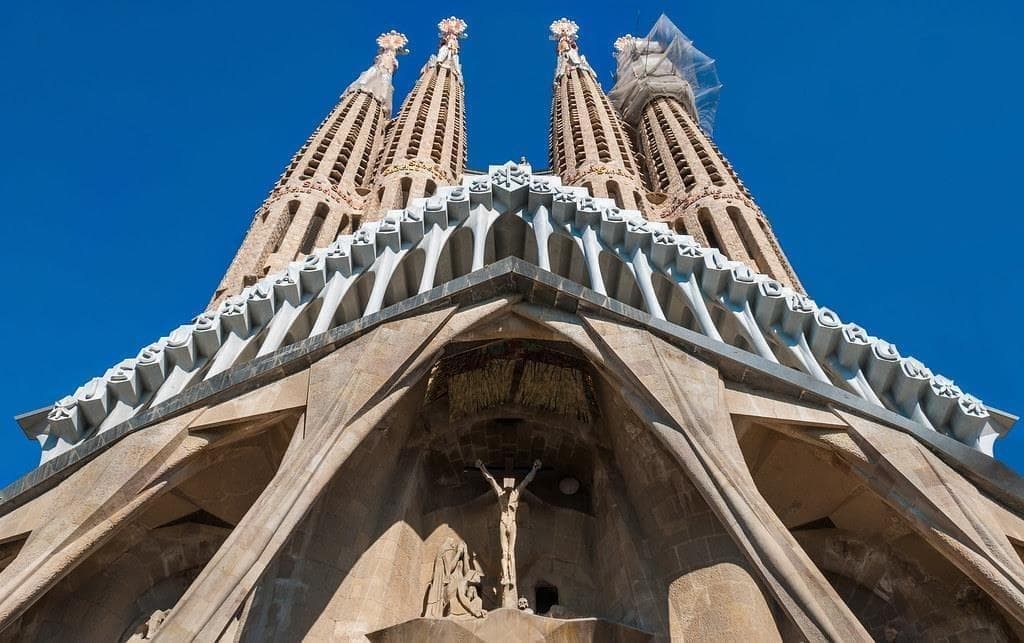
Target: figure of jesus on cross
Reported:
[(508, 503)]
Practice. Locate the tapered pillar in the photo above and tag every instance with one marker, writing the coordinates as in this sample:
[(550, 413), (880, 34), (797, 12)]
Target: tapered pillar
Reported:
[(682, 399), (426, 143), (322, 191), (660, 80), (589, 146)]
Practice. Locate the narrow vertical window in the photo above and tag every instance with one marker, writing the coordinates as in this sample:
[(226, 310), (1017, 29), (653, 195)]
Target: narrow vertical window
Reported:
[(406, 189), (747, 238), (614, 194), (313, 230), (707, 226)]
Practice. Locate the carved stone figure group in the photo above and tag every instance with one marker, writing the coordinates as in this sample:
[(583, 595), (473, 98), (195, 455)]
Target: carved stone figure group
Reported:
[(455, 583)]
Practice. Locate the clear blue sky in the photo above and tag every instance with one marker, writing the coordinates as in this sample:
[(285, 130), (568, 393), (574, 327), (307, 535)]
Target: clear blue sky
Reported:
[(881, 138)]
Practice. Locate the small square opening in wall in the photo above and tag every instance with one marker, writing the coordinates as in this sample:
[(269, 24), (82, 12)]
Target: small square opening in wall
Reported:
[(545, 596)]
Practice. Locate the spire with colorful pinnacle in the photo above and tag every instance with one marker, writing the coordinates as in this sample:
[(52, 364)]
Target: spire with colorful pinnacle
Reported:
[(426, 143), (588, 143)]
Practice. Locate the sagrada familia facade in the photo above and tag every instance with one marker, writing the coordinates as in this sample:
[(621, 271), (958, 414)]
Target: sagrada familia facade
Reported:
[(591, 402)]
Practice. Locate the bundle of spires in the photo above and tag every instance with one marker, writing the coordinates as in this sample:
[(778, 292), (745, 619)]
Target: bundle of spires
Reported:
[(365, 189), (645, 145)]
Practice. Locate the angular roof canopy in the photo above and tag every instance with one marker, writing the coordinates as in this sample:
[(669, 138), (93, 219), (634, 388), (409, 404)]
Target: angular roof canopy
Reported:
[(585, 246)]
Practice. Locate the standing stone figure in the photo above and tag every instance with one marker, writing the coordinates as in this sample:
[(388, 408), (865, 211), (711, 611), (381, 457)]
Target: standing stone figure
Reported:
[(508, 502), (453, 590)]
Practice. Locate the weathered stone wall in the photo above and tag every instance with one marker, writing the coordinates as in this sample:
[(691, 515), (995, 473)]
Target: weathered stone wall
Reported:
[(623, 569), (706, 509), (702, 582), (353, 564), (890, 578), (120, 587)]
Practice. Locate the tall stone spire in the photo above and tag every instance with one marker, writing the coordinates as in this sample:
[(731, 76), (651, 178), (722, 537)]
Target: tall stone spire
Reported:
[(589, 146), (426, 143), (322, 191), (659, 82)]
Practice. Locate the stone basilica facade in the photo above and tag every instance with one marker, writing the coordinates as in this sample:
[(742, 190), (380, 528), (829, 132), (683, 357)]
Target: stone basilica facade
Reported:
[(586, 403)]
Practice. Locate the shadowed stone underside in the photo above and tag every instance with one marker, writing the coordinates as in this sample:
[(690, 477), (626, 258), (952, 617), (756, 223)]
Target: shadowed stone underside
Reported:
[(713, 489)]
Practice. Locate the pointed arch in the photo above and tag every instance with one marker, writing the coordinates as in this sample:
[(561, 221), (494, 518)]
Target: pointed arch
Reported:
[(303, 323), (354, 302), (567, 260), (405, 280), (316, 222), (619, 281), (510, 236), (406, 185), (707, 226), (739, 221), (677, 310), (456, 258), (614, 193)]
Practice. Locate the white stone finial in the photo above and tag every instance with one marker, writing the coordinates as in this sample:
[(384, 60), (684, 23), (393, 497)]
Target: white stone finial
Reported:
[(376, 80), (452, 30), (391, 45), (564, 31), (623, 41)]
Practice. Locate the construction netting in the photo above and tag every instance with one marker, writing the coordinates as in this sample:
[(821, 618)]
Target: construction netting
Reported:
[(653, 65)]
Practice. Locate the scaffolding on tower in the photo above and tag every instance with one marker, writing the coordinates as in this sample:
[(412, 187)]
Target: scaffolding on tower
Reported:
[(665, 63)]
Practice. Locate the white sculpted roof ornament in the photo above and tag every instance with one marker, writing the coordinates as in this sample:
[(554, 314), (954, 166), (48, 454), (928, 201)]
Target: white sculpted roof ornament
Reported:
[(451, 30), (622, 42), (391, 45), (376, 81), (619, 254), (564, 32)]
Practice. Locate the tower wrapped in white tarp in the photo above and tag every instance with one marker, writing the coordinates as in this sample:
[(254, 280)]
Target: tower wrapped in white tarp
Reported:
[(664, 63)]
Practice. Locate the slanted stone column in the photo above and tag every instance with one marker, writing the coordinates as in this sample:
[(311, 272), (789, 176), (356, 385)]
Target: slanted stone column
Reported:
[(681, 400)]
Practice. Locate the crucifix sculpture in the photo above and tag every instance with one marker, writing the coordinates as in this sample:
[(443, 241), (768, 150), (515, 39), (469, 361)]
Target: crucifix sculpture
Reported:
[(508, 503)]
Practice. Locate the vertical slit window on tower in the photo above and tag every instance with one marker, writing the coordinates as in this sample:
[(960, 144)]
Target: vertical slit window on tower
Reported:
[(671, 142), (406, 185), (707, 226), (614, 193), (709, 166), (575, 134), (313, 230), (344, 154), (747, 238), (442, 121), (368, 138)]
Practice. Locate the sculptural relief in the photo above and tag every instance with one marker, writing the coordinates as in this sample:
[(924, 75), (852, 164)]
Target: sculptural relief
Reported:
[(508, 501), (454, 585), (524, 605)]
